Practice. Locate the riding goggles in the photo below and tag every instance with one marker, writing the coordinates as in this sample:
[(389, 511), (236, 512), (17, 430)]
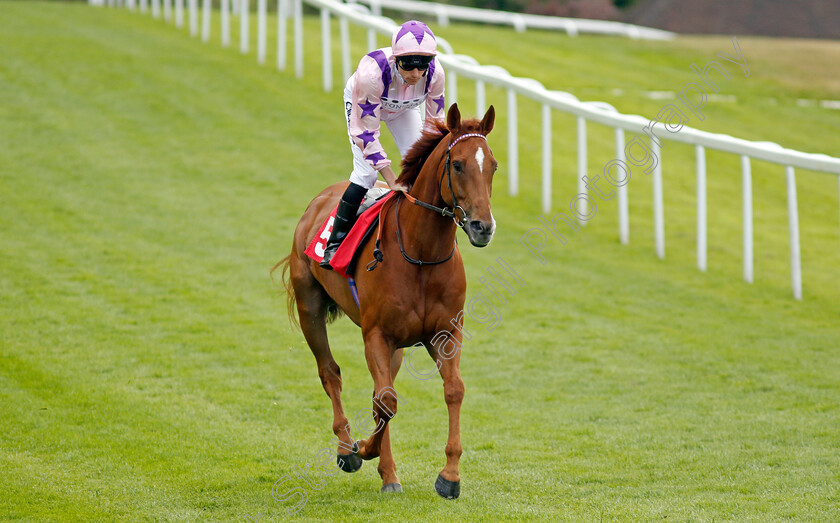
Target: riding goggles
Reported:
[(414, 61)]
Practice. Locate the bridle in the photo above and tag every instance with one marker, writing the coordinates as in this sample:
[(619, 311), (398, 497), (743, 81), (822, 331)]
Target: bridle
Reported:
[(447, 212), (447, 171)]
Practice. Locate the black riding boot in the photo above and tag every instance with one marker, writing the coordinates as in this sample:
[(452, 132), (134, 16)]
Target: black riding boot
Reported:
[(345, 217)]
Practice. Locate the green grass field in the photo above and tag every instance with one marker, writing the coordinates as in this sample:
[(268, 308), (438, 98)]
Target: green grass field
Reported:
[(148, 372)]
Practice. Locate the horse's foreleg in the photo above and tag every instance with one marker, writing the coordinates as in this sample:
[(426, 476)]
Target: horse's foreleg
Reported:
[(379, 353), (387, 466), (448, 483)]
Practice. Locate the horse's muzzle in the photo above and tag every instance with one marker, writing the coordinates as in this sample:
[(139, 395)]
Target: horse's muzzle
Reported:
[(480, 232)]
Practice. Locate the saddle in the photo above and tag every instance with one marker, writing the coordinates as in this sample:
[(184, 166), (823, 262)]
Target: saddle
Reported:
[(345, 259), (371, 197)]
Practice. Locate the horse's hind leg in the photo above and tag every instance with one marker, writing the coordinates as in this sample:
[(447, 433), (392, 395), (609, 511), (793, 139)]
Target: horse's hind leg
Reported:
[(312, 302)]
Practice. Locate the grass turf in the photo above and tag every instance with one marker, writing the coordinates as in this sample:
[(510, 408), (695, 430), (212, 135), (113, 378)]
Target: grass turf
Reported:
[(149, 181)]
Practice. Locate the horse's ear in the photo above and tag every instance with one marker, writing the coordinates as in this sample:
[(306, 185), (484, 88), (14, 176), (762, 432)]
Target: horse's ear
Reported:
[(453, 119), (488, 121)]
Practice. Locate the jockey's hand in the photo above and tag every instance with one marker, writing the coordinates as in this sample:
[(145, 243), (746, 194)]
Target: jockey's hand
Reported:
[(391, 179)]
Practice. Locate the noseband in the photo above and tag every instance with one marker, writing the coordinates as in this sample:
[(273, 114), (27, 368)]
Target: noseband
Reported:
[(444, 211)]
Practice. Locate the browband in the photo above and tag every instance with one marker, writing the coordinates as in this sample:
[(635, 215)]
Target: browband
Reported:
[(468, 135)]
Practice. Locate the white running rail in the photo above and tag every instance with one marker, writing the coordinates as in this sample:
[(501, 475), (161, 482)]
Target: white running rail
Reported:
[(573, 26), (585, 111)]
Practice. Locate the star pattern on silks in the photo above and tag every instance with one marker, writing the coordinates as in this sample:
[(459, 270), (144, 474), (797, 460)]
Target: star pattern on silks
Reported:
[(366, 137), (368, 108), (375, 157), (440, 102)]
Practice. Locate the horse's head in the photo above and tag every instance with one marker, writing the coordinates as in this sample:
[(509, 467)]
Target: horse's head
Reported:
[(467, 181)]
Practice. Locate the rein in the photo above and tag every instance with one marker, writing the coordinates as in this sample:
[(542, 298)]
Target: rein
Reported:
[(446, 212), (408, 258)]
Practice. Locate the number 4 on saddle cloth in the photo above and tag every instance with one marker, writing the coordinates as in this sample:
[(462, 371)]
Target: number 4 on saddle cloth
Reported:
[(345, 258)]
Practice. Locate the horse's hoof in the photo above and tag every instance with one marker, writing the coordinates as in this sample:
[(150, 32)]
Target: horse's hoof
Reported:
[(447, 489), (391, 487), (350, 462)]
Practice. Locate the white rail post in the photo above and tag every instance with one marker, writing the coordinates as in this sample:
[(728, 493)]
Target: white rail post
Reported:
[(298, 14), (371, 40), (167, 10), (376, 9), (326, 51), (261, 21), (746, 182), (206, 8), (623, 212), (452, 87), (225, 20), (546, 159), (582, 166), (344, 34), (155, 8), (701, 208), (179, 13), (282, 14), (513, 144), (793, 221), (244, 37), (442, 15), (193, 6), (480, 97), (144, 6), (519, 24), (658, 206)]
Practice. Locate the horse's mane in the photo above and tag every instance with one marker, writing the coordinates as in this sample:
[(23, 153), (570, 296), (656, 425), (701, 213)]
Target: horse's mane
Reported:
[(434, 131)]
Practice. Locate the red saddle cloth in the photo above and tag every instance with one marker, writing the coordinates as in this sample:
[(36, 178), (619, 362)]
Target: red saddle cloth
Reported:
[(343, 261)]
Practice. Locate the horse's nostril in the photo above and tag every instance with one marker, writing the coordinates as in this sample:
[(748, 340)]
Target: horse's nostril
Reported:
[(477, 226)]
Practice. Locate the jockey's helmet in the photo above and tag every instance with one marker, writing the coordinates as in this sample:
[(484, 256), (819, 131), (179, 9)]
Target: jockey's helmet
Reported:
[(413, 38)]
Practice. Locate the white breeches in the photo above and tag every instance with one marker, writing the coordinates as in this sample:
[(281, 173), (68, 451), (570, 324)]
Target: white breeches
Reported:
[(405, 126)]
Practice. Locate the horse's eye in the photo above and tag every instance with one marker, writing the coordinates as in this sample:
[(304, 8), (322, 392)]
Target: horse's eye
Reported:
[(456, 166)]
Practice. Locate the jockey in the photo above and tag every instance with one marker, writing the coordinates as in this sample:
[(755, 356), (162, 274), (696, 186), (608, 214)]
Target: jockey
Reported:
[(389, 86)]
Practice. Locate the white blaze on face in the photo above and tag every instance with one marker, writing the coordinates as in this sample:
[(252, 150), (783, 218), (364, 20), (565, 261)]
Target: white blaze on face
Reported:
[(479, 157)]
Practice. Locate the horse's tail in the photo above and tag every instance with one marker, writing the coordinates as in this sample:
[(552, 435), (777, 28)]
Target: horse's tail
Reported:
[(287, 285)]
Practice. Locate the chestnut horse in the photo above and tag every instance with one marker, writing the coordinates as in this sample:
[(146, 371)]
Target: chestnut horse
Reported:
[(415, 294)]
